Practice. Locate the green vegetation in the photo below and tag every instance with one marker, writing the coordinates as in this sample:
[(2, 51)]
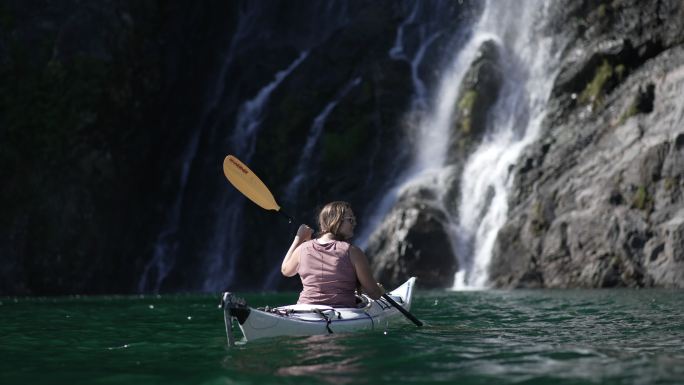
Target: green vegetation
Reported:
[(6, 18), (595, 90), (538, 222), (629, 112), (620, 70), (670, 183), (297, 123), (347, 135), (46, 109), (615, 262), (72, 112), (642, 200), (465, 106), (50, 113), (340, 147), (601, 11)]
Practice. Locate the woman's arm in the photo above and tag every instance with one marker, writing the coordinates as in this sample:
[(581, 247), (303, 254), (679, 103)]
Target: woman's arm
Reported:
[(291, 260), (363, 273)]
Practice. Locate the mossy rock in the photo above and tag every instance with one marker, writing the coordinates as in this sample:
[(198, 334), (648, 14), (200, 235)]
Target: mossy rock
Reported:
[(478, 93), (538, 222), (465, 106), (629, 112), (594, 91), (642, 200), (670, 184), (340, 147)]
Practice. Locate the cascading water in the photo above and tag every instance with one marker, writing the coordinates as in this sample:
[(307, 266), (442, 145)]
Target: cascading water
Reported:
[(222, 258), (426, 26), (166, 246), (202, 249), (398, 52), (303, 164), (528, 62), (303, 171)]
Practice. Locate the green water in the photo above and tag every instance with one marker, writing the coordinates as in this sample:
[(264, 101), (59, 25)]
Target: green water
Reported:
[(490, 337)]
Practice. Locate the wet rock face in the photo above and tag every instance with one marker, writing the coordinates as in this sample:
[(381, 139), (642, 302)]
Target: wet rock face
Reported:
[(477, 93), (131, 108), (414, 241), (597, 201), (114, 92), (415, 238)]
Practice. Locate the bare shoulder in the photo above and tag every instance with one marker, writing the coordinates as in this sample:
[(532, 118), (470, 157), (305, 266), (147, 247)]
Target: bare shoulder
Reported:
[(356, 253), (303, 245)]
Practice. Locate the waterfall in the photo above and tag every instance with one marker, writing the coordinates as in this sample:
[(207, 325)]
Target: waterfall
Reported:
[(526, 59), (398, 52), (166, 244), (429, 122), (303, 164), (530, 67), (302, 170), (225, 245), (250, 114)]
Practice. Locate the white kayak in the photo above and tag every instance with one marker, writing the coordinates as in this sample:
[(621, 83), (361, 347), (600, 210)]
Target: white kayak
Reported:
[(306, 320)]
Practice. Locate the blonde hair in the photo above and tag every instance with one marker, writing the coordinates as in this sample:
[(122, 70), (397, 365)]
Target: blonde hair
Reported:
[(331, 217)]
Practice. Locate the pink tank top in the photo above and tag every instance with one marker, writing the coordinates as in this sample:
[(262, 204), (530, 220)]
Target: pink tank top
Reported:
[(327, 274)]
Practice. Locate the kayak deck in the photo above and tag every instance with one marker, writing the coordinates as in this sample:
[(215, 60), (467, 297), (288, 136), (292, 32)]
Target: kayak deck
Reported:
[(304, 320)]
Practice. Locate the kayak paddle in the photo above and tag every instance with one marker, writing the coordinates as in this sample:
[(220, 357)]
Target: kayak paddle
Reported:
[(403, 311), (243, 179)]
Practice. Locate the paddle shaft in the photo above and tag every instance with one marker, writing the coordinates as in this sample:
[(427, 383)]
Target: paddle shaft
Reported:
[(288, 217), (403, 311)]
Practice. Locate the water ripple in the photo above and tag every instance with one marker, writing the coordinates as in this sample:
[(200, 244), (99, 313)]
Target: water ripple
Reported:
[(498, 337)]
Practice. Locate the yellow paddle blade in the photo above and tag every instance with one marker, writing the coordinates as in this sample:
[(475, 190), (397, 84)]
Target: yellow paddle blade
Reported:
[(248, 183)]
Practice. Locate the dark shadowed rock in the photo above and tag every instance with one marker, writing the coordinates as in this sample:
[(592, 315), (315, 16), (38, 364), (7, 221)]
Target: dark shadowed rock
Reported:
[(414, 239)]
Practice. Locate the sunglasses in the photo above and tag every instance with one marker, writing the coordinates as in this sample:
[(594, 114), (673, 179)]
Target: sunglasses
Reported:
[(351, 220)]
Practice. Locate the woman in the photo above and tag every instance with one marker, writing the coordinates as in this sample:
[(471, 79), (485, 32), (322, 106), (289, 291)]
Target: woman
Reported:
[(329, 266)]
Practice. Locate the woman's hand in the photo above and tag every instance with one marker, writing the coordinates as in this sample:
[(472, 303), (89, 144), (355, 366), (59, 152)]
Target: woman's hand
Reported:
[(304, 233), (291, 260)]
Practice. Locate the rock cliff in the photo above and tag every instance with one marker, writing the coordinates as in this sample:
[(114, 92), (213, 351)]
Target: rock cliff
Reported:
[(116, 116), (598, 200)]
